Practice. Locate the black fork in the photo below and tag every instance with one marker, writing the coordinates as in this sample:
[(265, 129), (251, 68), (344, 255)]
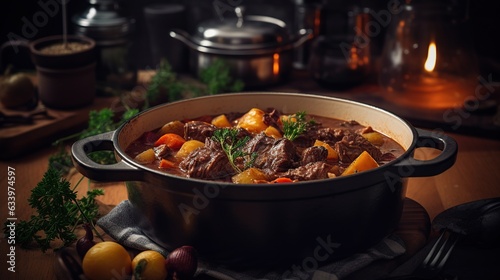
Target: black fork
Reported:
[(433, 263), (435, 260)]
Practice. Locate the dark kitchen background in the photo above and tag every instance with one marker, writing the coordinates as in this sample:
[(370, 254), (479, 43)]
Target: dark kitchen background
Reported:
[(18, 19)]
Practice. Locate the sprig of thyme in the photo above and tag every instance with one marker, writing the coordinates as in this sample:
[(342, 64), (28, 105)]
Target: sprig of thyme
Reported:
[(233, 147), (295, 125)]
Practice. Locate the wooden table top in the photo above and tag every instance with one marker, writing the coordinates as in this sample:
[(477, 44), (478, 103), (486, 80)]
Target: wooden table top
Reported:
[(474, 176)]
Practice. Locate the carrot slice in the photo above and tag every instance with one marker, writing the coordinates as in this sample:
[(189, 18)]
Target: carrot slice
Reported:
[(282, 180), (165, 164), (172, 140)]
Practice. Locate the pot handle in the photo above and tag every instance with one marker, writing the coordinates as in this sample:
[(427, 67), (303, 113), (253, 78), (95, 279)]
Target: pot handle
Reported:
[(303, 36), (184, 37), (411, 167), (120, 171)]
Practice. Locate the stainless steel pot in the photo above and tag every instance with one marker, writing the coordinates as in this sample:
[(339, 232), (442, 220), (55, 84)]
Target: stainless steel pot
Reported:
[(268, 224), (257, 49)]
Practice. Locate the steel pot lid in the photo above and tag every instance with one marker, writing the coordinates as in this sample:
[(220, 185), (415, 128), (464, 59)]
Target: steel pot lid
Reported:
[(242, 32), (105, 21)]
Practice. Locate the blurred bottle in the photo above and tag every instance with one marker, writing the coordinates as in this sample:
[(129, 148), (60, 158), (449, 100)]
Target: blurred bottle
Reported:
[(160, 19), (308, 15), (344, 59), (108, 24)]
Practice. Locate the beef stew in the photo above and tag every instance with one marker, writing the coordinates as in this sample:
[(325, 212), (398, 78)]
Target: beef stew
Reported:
[(263, 146)]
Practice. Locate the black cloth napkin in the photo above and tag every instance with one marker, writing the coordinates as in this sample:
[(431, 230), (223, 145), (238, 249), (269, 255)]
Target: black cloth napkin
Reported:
[(123, 224)]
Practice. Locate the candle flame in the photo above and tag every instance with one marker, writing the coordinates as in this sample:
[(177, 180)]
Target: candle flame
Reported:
[(430, 63)]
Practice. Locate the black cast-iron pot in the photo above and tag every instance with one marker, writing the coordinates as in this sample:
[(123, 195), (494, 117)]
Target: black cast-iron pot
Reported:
[(248, 225)]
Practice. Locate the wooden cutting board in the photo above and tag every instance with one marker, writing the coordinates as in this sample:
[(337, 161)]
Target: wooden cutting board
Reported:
[(17, 140)]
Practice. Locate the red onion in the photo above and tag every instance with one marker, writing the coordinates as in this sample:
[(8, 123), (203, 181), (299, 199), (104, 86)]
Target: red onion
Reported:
[(86, 242), (181, 263)]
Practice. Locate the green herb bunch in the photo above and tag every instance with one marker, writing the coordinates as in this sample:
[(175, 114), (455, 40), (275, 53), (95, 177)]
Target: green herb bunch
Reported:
[(59, 212), (218, 78), (165, 86), (101, 121)]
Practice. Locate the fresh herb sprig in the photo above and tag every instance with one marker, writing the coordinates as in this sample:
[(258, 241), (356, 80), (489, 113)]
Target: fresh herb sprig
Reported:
[(295, 125), (61, 160), (59, 212), (165, 86), (217, 76), (233, 147), (101, 121)]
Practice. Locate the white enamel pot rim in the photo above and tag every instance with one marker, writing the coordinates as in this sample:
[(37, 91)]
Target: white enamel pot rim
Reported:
[(393, 126)]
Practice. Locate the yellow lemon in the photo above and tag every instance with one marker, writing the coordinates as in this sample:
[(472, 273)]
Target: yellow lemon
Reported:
[(107, 260), (149, 265)]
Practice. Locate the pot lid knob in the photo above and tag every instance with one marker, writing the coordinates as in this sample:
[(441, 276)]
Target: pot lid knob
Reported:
[(105, 21), (239, 14), (242, 31)]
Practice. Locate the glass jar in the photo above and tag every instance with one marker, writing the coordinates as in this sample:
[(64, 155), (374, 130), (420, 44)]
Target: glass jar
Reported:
[(106, 22), (428, 59)]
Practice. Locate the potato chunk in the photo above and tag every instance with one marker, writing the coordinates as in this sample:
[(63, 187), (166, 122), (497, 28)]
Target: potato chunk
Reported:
[(272, 132), (176, 127), (363, 162), (253, 121), (374, 137), (221, 121), (249, 176), (188, 147), (147, 156)]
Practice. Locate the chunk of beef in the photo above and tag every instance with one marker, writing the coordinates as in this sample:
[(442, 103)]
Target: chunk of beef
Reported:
[(208, 162), (162, 151), (352, 145), (387, 157), (313, 154), (273, 155), (350, 123), (330, 135), (272, 118), (307, 138), (280, 157), (310, 171), (258, 144), (198, 130), (242, 133)]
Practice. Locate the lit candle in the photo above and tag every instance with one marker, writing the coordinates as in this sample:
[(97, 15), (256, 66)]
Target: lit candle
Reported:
[(434, 89)]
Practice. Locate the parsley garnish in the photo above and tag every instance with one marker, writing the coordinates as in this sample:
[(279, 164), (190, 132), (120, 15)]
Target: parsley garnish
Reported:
[(295, 125), (233, 147), (59, 212)]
